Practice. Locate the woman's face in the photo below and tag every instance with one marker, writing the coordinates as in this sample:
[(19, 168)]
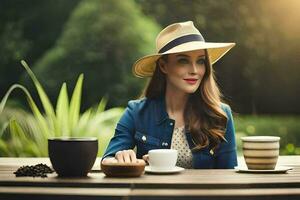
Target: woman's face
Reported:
[(184, 71)]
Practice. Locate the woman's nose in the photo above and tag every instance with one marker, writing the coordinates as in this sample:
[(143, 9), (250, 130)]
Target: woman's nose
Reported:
[(193, 68)]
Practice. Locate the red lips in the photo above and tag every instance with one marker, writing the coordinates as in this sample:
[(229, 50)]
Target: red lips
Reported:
[(191, 80)]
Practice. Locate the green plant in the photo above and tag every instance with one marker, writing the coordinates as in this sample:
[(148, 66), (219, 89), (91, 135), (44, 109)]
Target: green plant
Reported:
[(63, 120)]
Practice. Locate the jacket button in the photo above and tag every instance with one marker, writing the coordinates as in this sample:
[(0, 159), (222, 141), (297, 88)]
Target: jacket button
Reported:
[(144, 138), (171, 124), (211, 152), (164, 144)]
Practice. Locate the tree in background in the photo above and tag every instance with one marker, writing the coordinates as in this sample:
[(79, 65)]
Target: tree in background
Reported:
[(261, 74), (28, 28), (102, 39)]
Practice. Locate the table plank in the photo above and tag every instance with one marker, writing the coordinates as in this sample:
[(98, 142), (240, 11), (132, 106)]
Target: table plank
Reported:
[(108, 193), (67, 191), (194, 184), (62, 193), (215, 192), (192, 178)]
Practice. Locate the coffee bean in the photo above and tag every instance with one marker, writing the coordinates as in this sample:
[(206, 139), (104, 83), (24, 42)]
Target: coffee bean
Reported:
[(39, 170)]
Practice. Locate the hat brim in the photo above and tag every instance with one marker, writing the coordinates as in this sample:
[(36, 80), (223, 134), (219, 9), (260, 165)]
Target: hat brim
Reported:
[(145, 66)]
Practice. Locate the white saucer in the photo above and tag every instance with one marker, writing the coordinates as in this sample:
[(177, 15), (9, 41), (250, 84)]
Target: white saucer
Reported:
[(169, 171), (277, 170)]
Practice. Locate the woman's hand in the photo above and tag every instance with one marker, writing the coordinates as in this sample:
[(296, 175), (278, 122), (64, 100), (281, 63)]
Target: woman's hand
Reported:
[(125, 156), (146, 158)]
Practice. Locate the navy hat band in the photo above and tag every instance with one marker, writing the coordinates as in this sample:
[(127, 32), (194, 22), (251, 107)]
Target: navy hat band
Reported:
[(181, 40)]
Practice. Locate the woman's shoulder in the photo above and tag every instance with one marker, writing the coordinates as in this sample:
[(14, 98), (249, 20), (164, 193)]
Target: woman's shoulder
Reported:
[(226, 108), (136, 102), (146, 105), (140, 104)]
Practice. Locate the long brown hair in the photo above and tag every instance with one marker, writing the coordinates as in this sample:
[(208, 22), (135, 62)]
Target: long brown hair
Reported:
[(203, 115)]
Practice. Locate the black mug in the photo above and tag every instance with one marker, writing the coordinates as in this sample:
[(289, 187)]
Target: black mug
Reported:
[(72, 156)]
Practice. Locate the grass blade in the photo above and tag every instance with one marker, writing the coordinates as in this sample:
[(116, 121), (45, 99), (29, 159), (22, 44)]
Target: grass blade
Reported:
[(83, 123), (102, 104), (40, 118), (75, 103), (4, 149), (62, 112), (20, 140), (43, 96), (12, 88)]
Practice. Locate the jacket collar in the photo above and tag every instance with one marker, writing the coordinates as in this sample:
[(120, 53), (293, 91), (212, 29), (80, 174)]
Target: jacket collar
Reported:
[(160, 110)]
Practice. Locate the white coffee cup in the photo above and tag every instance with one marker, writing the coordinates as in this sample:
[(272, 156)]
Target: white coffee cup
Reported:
[(162, 159), (261, 152)]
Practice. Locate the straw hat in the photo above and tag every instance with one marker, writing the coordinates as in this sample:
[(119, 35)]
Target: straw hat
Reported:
[(175, 38)]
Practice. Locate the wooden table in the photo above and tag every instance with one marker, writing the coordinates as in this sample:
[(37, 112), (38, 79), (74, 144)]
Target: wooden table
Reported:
[(189, 184)]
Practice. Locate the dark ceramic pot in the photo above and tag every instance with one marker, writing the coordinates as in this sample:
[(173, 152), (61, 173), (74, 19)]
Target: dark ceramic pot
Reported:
[(72, 157)]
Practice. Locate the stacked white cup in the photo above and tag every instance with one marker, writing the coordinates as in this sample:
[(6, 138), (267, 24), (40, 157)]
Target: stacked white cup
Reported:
[(261, 152)]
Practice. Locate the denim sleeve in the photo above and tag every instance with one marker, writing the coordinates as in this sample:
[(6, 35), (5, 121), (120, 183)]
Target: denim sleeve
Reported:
[(124, 133), (227, 156)]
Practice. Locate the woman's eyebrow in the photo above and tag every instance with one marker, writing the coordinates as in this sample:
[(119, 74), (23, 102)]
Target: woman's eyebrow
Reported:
[(182, 55)]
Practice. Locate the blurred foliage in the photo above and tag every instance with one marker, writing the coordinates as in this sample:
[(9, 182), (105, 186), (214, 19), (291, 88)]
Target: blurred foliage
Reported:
[(24, 134), (102, 39), (286, 127), (28, 29), (261, 73)]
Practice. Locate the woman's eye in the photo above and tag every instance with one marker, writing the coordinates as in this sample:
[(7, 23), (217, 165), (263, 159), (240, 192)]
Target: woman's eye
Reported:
[(201, 61), (183, 61)]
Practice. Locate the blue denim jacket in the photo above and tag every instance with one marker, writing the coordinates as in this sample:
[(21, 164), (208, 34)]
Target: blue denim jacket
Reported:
[(146, 125)]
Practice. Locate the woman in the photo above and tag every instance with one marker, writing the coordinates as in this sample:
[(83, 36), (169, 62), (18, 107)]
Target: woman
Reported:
[(180, 108)]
